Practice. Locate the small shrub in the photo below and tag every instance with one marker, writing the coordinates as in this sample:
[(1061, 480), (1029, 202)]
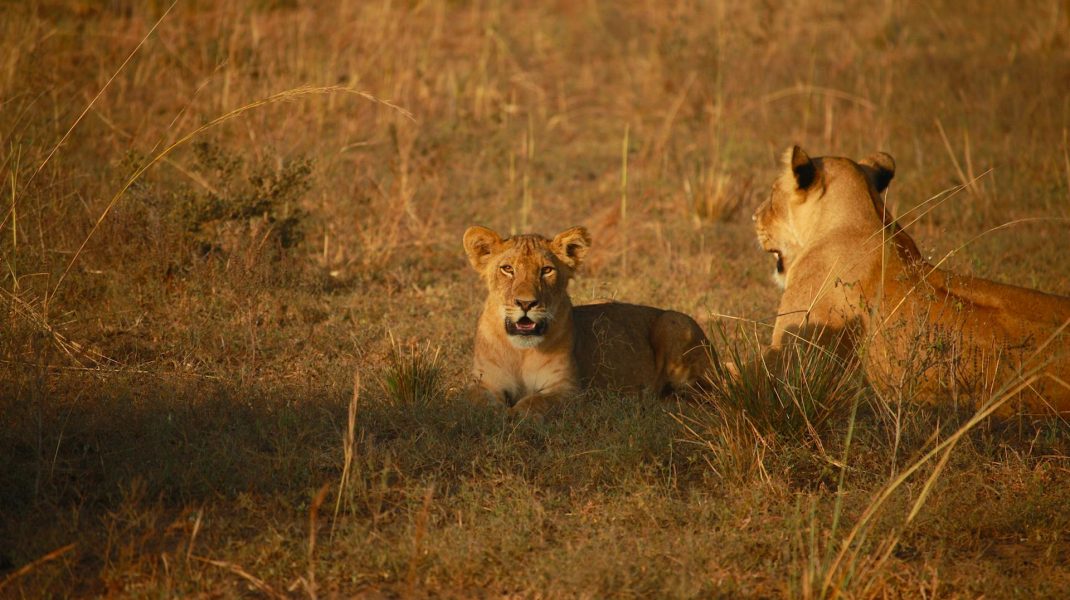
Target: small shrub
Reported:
[(755, 407), (794, 393), (413, 375), (716, 197), (734, 448), (265, 201)]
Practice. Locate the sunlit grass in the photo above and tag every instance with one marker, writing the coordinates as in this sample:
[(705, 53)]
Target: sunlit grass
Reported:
[(179, 410)]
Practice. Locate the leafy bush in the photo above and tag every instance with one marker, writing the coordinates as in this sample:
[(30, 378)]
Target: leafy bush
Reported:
[(263, 201)]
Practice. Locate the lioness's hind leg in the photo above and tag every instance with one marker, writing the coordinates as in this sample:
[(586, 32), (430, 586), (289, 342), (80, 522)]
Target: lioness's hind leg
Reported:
[(682, 351)]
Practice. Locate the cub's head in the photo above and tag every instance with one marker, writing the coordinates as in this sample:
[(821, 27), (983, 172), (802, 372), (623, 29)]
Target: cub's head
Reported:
[(814, 196), (527, 277)]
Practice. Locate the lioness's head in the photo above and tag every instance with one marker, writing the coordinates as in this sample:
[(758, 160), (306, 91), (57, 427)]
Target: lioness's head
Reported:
[(815, 195), (527, 276)]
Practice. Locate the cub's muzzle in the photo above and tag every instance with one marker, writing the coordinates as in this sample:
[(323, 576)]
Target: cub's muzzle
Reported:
[(525, 326)]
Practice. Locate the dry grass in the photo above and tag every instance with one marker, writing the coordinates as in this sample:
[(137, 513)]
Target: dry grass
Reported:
[(215, 213)]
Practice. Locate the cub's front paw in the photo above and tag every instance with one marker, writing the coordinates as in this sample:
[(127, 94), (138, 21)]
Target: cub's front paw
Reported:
[(481, 396), (531, 407)]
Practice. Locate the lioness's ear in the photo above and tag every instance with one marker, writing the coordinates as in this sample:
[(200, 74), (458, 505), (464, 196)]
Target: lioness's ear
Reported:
[(802, 167), (571, 246), (882, 169), (479, 244)]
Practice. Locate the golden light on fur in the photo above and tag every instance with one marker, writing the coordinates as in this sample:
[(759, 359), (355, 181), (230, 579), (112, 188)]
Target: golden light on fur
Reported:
[(849, 270)]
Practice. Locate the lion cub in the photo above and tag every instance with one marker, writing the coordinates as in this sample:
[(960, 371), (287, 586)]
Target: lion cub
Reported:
[(533, 349)]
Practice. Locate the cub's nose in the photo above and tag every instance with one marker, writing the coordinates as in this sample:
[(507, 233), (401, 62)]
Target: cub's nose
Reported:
[(526, 305)]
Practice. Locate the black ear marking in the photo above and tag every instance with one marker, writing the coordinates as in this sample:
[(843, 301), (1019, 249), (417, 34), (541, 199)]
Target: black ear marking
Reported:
[(881, 169), (803, 168)]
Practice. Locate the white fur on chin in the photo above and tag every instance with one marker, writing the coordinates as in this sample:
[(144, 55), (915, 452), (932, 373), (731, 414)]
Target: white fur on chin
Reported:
[(526, 341), (780, 279)]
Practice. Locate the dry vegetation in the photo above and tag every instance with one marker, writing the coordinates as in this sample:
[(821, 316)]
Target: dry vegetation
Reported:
[(195, 267)]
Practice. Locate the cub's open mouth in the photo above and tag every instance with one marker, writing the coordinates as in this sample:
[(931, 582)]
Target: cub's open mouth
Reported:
[(779, 261), (524, 326)]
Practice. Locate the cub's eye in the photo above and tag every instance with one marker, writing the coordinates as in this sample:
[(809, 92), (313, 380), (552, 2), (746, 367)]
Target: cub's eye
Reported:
[(547, 270), (507, 269)]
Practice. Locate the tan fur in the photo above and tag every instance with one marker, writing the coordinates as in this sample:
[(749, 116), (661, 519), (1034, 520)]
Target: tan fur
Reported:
[(852, 277), (612, 345)]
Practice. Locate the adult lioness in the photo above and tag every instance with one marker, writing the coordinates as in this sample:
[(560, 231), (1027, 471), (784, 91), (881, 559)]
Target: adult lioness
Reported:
[(534, 349), (850, 274)]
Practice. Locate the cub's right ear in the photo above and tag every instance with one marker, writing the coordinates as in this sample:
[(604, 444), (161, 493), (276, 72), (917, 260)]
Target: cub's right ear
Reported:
[(480, 244), (802, 167), (571, 246)]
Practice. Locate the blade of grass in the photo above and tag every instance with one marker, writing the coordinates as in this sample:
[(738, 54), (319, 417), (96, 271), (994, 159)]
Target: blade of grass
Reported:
[(347, 449), (26, 569), (256, 582), (92, 102), (861, 527)]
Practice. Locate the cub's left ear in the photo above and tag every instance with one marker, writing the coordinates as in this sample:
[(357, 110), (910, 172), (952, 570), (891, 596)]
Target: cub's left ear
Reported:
[(881, 169), (571, 246), (480, 244)]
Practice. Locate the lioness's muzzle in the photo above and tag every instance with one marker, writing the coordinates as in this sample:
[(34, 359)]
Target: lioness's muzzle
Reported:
[(779, 261)]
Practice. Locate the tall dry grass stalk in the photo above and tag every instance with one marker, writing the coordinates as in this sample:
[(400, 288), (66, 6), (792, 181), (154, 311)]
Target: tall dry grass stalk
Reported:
[(33, 565), (313, 512), (966, 176), (193, 535), (13, 260), (527, 198), (852, 566), (1066, 162), (92, 102), (262, 586), (37, 318), (624, 194), (419, 532), (348, 449)]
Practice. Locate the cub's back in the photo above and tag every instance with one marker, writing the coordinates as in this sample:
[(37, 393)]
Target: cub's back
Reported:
[(613, 347)]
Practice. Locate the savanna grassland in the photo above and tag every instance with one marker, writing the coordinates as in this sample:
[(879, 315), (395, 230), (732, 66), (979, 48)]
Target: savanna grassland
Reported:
[(237, 317)]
